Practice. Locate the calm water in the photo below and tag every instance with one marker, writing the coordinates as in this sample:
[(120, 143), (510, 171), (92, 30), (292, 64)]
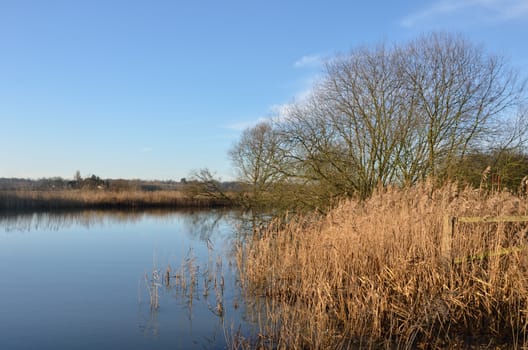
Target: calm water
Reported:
[(81, 280)]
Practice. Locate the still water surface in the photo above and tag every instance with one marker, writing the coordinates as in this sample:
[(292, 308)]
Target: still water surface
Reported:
[(81, 280)]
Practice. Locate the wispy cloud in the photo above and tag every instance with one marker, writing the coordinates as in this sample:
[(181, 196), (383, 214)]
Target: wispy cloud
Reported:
[(517, 9), (243, 125), (496, 10), (303, 88), (145, 150), (277, 112), (308, 61), (438, 8)]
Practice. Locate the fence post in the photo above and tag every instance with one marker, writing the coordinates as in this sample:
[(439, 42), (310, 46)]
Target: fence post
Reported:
[(446, 239)]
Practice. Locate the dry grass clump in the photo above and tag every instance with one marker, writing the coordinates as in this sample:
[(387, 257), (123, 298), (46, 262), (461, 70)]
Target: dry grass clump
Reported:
[(371, 274), (186, 281)]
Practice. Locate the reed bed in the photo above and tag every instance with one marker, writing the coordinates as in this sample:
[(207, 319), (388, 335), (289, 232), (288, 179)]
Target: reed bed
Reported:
[(103, 199), (371, 275)]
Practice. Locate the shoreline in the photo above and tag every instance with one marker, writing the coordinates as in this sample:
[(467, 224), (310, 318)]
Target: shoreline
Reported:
[(26, 200)]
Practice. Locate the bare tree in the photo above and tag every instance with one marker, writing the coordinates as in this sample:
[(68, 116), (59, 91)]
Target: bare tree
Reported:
[(394, 115), (350, 135), (258, 161), (372, 114), (460, 94), (203, 184)]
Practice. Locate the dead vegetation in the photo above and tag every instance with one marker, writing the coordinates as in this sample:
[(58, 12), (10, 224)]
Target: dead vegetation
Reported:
[(102, 199), (371, 275)]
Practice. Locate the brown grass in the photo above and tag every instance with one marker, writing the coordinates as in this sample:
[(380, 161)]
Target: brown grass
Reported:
[(371, 275), (102, 199)]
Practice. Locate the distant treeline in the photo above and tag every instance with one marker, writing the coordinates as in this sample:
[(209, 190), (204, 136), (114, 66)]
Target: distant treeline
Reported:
[(95, 193), (88, 199), (94, 182)]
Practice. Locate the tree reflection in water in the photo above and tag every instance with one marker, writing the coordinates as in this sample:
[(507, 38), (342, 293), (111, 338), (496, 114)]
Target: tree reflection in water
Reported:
[(196, 273)]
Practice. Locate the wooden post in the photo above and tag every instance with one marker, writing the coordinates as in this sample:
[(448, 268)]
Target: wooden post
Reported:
[(447, 237)]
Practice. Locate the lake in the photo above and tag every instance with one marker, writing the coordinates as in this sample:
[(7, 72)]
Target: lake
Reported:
[(84, 280)]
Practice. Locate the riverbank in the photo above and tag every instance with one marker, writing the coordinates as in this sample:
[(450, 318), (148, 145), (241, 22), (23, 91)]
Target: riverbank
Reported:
[(103, 199), (374, 274)]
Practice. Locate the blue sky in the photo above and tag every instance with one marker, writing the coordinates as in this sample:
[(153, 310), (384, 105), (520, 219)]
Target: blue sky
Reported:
[(154, 89)]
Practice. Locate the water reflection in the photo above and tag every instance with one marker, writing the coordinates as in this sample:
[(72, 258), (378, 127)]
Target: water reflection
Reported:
[(91, 272), (202, 224), (24, 221), (206, 289), (198, 223)]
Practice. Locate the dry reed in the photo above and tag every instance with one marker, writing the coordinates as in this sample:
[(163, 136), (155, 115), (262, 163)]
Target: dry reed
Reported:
[(185, 282), (371, 275), (102, 199)]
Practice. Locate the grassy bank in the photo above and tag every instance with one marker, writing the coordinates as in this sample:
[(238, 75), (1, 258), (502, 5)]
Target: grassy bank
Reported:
[(101, 199), (372, 275)]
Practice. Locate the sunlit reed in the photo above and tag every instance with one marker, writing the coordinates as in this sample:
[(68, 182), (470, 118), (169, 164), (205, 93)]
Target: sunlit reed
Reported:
[(372, 275), (99, 199)]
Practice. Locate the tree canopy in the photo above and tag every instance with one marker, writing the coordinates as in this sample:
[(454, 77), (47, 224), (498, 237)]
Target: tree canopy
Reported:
[(388, 115)]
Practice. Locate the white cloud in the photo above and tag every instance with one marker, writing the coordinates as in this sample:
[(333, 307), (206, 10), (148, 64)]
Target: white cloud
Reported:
[(276, 112), (243, 125), (438, 8), (279, 112), (517, 9), (497, 10), (145, 150), (308, 61)]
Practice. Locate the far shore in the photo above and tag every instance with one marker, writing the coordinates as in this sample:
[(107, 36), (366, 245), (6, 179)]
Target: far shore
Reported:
[(103, 199)]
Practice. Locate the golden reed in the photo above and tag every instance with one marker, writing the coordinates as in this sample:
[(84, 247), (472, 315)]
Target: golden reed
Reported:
[(372, 274), (101, 199)]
